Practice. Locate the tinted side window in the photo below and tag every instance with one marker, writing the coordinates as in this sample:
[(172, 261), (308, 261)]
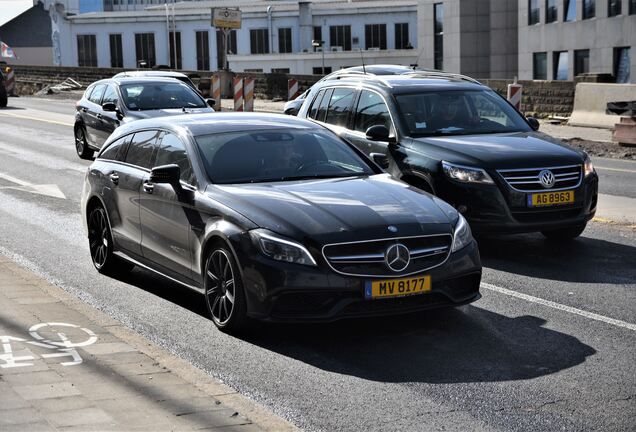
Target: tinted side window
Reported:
[(96, 94), (322, 108), (110, 95), (88, 91), (173, 151), (340, 106), (371, 111), (314, 106), (142, 149), (117, 150)]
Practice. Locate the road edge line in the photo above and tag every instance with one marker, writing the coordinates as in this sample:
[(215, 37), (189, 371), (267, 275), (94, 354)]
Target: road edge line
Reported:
[(559, 306)]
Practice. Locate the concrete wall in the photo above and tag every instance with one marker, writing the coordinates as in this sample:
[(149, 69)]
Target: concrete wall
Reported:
[(36, 56), (600, 35), (591, 101)]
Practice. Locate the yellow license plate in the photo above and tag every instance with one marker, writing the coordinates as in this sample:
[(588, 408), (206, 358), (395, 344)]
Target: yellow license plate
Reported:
[(551, 198), (397, 287)]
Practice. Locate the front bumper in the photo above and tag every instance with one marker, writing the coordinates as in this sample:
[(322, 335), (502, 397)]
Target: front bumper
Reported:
[(498, 209), (284, 292)]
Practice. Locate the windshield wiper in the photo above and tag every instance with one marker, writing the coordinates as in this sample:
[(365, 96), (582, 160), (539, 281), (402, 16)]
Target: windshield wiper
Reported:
[(306, 177)]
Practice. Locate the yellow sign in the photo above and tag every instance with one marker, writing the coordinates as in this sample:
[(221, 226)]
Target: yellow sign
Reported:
[(226, 18)]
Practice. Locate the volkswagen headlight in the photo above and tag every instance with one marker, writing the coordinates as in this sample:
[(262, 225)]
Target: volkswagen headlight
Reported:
[(462, 235), (588, 166), (466, 174), (280, 249)]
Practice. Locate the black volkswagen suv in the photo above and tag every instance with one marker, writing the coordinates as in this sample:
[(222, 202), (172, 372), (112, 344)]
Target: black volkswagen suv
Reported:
[(108, 103), (274, 218), (451, 136)]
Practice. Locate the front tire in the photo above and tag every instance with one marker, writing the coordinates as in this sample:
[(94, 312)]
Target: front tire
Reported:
[(100, 242), (81, 145), (3, 96), (224, 295), (567, 233)]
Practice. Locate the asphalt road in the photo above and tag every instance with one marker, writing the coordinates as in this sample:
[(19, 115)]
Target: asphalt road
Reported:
[(550, 346)]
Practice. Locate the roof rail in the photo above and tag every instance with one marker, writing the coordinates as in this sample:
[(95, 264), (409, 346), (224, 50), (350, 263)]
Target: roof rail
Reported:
[(431, 73), (367, 76)]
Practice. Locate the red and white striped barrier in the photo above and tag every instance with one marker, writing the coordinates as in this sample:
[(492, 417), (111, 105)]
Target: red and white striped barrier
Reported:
[(292, 89), (514, 95), (238, 93), (216, 92), (248, 94), (9, 80)]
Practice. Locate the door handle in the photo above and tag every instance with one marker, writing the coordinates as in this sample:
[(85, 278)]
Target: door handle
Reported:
[(84, 109), (149, 187), (114, 177), (99, 116)]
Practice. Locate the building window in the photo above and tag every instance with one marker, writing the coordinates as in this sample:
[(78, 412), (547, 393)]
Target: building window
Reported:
[(203, 50), (533, 12), (145, 49), (87, 50), (540, 66), (589, 9), (438, 38), (175, 36), (280, 70), (284, 40), (116, 56), (318, 70), (375, 36), (621, 65), (581, 62), (560, 65), (340, 36), (402, 36), (613, 7), (318, 36), (259, 41), (550, 11), (569, 10), (632, 7)]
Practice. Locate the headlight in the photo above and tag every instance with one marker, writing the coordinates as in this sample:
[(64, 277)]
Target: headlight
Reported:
[(462, 235), (466, 174), (280, 249), (588, 166)]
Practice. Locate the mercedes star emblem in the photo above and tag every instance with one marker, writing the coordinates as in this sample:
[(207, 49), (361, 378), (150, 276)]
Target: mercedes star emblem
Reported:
[(397, 257)]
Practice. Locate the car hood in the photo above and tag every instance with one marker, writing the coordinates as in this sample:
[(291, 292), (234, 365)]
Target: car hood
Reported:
[(504, 150), (139, 115), (339, 209)]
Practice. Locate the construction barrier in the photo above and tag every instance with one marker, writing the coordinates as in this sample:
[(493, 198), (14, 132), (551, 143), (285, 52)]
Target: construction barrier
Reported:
[(9, 80), (292, 89), (248, 94), (238, 93), (590, 103), (216, 92), (514, 95)]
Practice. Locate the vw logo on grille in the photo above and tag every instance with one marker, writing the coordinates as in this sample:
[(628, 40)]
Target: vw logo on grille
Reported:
[(397, 257), (546, 177)]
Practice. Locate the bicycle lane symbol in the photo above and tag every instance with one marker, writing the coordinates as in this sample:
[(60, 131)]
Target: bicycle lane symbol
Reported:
[(63, 346)]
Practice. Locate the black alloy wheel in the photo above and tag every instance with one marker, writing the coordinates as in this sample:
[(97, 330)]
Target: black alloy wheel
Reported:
[(224, 291), (81, 146), (100, 243), (567, 233)]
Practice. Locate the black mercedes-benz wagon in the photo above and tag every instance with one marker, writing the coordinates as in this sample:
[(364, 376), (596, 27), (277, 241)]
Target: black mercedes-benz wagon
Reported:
[(274, 218)]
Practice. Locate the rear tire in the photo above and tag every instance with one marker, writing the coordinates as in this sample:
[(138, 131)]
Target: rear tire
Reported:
[(100, 242), (224, 294), (81, 146), (3, 96), (567, 233)]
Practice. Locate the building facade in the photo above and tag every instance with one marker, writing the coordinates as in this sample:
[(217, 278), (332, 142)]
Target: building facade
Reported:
[(559, 39), (33, 47)]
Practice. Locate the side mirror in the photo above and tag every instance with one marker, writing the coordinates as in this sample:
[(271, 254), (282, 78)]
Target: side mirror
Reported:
[(533, 122), (379, 133), (166, 174), (109, 106), (210, 102)]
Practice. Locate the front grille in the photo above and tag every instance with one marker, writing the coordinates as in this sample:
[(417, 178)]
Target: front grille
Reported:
[(527, 179), (367, 258)]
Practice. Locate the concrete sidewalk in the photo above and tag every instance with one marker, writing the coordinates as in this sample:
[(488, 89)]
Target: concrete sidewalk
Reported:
[(67, 366)]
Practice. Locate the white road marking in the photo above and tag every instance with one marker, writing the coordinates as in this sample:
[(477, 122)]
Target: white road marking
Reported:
[(559, 306), (51, 190), (615, 169)]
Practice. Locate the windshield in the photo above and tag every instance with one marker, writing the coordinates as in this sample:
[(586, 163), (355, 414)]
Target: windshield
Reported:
[(461, 112), (152, 96), (278, 155)]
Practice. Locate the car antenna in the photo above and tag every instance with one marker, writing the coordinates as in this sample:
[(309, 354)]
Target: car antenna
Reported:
[(364, 70), (417, 60)]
